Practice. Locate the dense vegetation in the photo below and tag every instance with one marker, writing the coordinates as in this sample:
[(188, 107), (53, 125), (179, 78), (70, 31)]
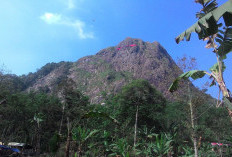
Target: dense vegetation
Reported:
[(138, 121)]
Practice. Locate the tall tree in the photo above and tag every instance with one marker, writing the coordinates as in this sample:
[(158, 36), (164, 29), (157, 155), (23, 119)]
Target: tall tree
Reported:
[(187, 64), (73, 106), (142, 103)]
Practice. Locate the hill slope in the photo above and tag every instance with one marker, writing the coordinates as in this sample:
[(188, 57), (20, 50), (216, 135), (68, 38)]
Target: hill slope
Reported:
[(111, 68)]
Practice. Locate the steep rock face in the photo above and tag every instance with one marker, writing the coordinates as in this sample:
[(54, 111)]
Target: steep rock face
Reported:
[(113, 67), (48, 77)]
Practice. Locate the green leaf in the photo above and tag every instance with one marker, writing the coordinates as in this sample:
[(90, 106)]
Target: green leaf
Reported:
[(207, 25), (210, 7), (215, 68), (227, 18), (220, 31), (94, 114), (224, 49), (194, 74), (91, 134), (202, 1), (213, 83), (39, 117), (220, 36), (82, 134), (219, 41), (226, 44), (200, 15)]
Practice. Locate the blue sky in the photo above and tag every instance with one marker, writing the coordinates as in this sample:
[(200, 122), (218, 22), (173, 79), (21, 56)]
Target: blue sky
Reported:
[(33, 33)]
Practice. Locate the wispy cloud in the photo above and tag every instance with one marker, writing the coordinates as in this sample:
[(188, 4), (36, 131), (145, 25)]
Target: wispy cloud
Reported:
[(79, 26), (51, 18), (58, 19), (71, 4)]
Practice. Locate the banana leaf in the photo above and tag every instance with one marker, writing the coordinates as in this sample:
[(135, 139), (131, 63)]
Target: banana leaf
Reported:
[(194, 74), (215, 68), (225, 42), (207, 25)]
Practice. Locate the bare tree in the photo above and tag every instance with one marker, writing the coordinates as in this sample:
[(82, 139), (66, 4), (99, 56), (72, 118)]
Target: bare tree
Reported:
[(187, 64)]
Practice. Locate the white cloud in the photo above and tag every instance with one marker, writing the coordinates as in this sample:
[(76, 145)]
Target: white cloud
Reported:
[(71, 4), (78, 25), (51, 18)]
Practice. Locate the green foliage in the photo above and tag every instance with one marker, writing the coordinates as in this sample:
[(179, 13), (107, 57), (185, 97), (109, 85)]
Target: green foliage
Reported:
[(162, 145), (54, 143), (159, 147), (82, 135), (38, 118), (207, 150), (215, 68), (120, 147), (96, 135), (176, 122), (213, 125), (141, 93), (194, 74), (19, 111), (10, 84), (94, 114), (207, 24), (31, 78), (207, 29), (163, 128), (188, 151), (224, 38), (73, 100)]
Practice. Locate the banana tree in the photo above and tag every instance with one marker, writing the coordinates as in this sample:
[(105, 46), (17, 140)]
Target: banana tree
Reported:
[(120, 148), (81, 135), (162, 146), (207, 28)]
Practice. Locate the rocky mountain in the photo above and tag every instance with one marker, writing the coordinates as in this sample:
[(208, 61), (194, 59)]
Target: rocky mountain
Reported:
[(110, 69)]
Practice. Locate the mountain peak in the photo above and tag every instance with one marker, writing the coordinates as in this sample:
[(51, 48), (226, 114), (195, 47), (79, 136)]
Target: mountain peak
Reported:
[(113, 67), (130, 41)]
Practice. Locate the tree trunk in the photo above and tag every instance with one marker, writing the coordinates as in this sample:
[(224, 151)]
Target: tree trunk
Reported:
[(192, 114), (226, 94), (38, 137), (79, 150), (194, 135), (62, 118), (68, 139), (136, 123)]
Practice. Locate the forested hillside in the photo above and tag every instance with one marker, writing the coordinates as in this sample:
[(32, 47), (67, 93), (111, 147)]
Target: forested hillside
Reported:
[(136, 120), (129, 99), (113, 103)]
